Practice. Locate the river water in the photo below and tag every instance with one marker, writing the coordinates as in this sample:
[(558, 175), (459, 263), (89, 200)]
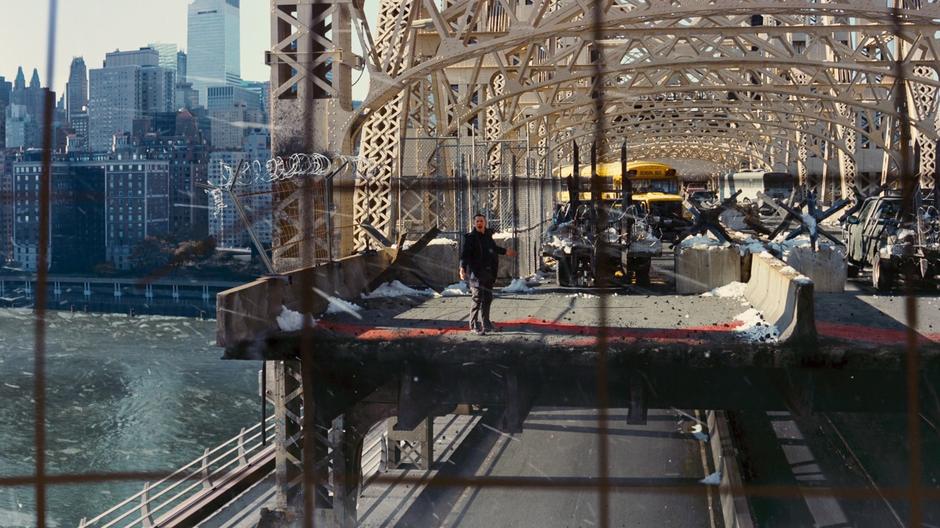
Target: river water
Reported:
[(124, 394)]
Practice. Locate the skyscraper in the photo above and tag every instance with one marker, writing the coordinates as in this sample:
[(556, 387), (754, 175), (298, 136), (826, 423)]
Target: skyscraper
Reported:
[(25, 113), (167, 53), (6, 98), (76, 92), (131, 85), (213, 44), (181, 66)]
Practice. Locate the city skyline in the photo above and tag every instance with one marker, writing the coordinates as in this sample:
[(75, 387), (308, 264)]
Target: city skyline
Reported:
[(164, 22)]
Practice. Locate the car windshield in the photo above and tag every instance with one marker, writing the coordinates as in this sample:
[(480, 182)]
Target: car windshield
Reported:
[(889, 209)]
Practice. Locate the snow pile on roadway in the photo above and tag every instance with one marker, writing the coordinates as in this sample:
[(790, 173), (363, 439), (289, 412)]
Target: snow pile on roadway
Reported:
[(582, 295), (457, 289), (540, 277), (728, 291), (396, 289), (755, 328), (518, 286), (436, 242), (291, 321), (338, 305)]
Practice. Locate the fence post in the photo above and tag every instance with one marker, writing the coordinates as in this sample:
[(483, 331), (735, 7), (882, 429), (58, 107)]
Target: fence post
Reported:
[(145, 520), (206, 482), (242, 459)]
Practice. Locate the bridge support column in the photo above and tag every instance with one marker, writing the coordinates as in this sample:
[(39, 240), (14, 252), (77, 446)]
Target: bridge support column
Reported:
[(801, 158), (287, 417), (415, 446)]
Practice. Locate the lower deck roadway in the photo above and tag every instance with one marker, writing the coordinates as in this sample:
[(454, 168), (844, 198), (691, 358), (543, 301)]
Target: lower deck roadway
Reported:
[(834, 452), (555, 443)]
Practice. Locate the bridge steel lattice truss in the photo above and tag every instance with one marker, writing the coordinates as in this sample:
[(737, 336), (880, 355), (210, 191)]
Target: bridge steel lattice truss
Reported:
[(769, 83), (763, 83)]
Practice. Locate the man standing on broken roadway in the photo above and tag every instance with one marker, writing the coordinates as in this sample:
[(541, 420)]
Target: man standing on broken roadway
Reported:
[(479, 262)]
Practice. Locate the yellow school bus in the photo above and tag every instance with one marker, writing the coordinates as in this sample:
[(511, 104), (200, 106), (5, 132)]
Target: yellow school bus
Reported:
[(654, 189), (646, 177)]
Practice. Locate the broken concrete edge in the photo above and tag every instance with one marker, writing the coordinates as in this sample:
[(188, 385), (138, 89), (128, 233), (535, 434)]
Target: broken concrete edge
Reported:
[(250, 310), (825, 355), (784, 296), (735, 509)]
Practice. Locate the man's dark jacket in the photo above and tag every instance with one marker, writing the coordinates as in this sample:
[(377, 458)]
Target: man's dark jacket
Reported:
[(480, 257)]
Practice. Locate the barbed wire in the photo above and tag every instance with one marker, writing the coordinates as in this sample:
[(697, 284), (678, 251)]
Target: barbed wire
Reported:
[(276, 169), (217, 197), (262, 173)]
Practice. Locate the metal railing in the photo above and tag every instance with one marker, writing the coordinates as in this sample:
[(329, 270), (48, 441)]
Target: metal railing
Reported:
[(191, 483)]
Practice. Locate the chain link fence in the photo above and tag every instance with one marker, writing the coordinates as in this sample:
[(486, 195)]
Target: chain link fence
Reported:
[(444, 182)]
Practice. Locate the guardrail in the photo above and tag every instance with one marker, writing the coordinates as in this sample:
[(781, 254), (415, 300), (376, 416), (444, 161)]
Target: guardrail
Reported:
[(160, 502)]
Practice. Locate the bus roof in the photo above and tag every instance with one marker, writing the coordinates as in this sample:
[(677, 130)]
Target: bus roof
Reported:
[(644, 169)]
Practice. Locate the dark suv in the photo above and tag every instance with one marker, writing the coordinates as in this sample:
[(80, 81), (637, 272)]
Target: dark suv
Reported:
[(879, 237)]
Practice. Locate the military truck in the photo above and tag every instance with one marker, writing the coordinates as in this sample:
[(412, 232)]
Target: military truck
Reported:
[(892, 244), (589, 254)]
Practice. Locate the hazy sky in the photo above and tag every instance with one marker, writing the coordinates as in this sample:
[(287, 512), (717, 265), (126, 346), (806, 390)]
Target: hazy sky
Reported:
[(91, 28)]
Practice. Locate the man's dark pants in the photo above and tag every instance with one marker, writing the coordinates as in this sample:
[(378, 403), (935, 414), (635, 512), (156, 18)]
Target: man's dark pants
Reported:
[(482, 295)]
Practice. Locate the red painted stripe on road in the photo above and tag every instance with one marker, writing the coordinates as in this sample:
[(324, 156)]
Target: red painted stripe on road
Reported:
[(692, 335), (868, 334)]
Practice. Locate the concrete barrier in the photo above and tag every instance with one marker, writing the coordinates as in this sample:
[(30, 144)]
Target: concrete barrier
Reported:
[(827, 267), (735, 510), (703, 268), (250, 310), (439, 262), (508, 266), (784, 296)]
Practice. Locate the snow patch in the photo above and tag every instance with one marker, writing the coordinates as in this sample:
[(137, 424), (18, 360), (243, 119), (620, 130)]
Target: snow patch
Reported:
[(751, 245), (396, 289), (436, 242), (702, 242), (338, 305), (457, 289), (755, 329), (712, 480), (728, 291), (290, 321), (518, 286), (582, 295)]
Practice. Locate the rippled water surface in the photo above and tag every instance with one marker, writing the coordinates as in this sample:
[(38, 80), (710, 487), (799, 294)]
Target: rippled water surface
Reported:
[(123, 394)]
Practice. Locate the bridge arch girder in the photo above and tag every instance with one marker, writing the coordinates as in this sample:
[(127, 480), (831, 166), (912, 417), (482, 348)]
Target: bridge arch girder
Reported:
[(541, 56)]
